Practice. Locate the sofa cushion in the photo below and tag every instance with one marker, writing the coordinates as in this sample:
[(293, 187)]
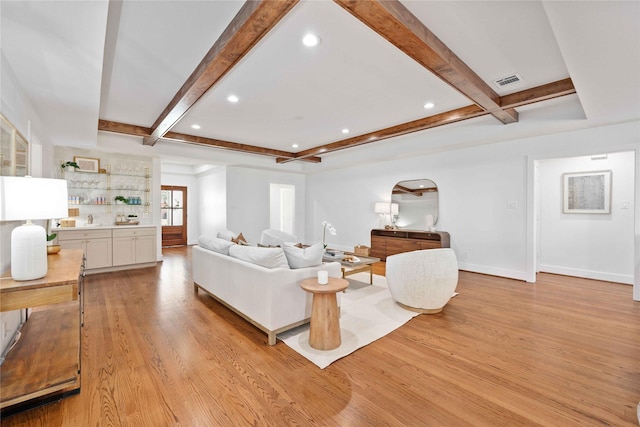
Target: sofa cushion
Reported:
[(302, 258), (266, 257), (208, 241), (226, 235), (273, 237)]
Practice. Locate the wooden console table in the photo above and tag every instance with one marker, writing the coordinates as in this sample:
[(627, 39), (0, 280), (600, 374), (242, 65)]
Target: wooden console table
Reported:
[(390, 242), (44, 364)]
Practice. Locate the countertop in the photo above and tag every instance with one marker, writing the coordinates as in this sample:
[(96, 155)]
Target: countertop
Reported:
[(100, 227)]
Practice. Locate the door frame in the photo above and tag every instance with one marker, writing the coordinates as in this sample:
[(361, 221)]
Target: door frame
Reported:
[(169, 230)]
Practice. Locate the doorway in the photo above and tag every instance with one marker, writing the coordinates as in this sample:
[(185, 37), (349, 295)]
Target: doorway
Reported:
[(173, 214), (593, 245)]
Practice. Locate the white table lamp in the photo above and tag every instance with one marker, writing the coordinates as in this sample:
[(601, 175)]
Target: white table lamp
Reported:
[(382, 209), (26, 198)]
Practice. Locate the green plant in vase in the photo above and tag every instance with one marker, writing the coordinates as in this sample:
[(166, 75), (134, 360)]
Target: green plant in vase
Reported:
[(65, 165), (122, 199), (52, 236)]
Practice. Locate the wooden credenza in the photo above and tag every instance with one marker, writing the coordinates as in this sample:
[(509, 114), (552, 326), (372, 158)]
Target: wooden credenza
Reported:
[(390, 242), (44, 364)]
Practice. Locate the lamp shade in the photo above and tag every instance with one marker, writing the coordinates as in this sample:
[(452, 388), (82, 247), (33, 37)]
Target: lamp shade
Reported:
[(382, 208), (23, 198), (26, 198)]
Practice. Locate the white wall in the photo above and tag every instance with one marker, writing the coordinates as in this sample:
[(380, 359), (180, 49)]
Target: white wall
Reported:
[(597, 246), (476, 185), (17, 108), (248, 200), (212, 200), (179, 178)]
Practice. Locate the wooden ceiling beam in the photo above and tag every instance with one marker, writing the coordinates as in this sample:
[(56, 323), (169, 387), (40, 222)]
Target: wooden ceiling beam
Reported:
[(518, 99), (449, 117), (123, 128), (234, 146), (393, 21), (133, 130), (539, 93), (252, 22)]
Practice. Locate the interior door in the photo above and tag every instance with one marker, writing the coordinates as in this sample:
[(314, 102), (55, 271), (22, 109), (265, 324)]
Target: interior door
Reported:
[(173, 212)]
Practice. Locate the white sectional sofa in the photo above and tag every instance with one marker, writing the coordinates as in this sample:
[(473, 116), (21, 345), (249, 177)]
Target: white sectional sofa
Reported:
[(269, 298)]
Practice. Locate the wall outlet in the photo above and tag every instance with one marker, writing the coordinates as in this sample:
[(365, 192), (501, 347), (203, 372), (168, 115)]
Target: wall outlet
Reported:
[(625, 204), (512, 204)]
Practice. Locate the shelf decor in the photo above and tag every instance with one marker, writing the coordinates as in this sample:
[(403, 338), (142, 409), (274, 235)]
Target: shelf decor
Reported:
[(87, 164)]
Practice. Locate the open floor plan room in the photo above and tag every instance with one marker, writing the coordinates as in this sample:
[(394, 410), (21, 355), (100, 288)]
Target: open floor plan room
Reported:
[(560, 352)]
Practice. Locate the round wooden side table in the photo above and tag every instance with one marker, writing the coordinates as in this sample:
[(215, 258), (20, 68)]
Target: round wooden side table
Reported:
[(324, 331)]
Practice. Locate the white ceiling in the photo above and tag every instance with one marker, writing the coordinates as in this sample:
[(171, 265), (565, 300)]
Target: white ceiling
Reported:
[(124, 61)]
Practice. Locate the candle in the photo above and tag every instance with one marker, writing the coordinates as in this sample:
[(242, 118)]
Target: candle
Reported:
[(323, 277)]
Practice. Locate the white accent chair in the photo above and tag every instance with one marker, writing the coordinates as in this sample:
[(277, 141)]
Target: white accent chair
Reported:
[(423, 281), (273, 237)]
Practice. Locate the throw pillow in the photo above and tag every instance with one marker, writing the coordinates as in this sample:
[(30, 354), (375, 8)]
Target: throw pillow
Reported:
[(266, 257), (302, 258), (226, 235), (215, 244), (240, 240)]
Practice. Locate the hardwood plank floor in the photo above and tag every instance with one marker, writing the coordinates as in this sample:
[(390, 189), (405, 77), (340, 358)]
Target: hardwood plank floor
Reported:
[(561, 352)]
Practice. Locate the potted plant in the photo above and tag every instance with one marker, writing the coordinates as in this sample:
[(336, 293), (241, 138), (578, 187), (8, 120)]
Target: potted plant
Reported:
[(121, 200), (64, 165), (51, 248)]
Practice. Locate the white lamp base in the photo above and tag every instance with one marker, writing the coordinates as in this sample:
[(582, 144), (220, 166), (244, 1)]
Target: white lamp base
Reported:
[(382, 221), (28, 252)]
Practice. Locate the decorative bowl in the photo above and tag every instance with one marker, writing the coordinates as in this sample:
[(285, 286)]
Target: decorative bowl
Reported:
[(53, 249)]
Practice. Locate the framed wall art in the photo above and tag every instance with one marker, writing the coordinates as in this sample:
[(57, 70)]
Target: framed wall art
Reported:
[(587, 192), (87, 164)]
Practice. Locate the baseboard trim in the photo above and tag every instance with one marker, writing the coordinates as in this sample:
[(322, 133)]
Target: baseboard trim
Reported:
[(493, 271), (587, 274)]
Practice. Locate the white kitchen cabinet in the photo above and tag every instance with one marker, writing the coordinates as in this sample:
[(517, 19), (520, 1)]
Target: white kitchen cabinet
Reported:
[(112, 248), (96, 245), (134, 245)]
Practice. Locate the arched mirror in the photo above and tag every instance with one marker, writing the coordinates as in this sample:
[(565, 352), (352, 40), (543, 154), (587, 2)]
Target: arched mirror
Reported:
[(417, 204)]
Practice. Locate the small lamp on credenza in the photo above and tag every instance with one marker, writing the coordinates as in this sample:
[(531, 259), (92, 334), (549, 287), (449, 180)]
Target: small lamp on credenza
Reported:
[(382, 209), (27, 198)]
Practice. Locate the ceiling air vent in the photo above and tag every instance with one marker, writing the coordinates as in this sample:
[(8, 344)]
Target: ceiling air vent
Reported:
[(508, 81)]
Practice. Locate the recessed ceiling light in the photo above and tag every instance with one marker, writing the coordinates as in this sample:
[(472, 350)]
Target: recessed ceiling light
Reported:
[(232, 98), (345, 130), (195, 126), (294, 145), (429, 105), (311, 40)]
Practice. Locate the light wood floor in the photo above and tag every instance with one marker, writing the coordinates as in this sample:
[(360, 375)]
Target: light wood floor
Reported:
[(562, 352)]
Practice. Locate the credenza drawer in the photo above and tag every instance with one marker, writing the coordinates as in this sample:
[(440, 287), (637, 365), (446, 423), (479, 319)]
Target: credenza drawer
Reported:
[(390, 242)]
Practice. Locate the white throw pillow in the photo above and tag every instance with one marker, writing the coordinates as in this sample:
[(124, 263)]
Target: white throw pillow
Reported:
[(302, 258), (215, 244), (266, 257), (226, 235)]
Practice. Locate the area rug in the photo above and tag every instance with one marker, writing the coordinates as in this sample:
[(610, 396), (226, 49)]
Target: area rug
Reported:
[(367, 313)]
